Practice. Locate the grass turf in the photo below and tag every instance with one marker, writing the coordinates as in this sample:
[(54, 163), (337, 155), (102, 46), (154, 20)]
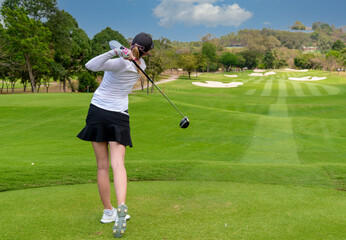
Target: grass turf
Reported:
[(178, 210), (270, 133)]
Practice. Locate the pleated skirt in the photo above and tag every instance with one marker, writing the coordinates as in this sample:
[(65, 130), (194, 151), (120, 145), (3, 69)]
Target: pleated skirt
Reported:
[(105, 126)]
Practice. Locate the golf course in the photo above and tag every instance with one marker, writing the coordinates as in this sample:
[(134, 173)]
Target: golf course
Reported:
[(263, 160)]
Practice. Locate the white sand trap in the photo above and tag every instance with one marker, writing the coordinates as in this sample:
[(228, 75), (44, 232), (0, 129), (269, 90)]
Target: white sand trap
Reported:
[(294, 70), (261, 74), (307, 78), (232, 76), (318, 78), (215, 84), (256, 75), (269, 73), (259, 70)]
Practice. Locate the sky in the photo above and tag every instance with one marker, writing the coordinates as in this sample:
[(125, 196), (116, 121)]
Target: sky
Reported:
[(189, 20)]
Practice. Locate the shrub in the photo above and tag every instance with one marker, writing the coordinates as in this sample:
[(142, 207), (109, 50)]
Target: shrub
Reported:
[(87, 83)]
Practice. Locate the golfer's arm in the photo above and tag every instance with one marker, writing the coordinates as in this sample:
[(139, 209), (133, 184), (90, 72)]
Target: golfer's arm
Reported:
[(104, 62)]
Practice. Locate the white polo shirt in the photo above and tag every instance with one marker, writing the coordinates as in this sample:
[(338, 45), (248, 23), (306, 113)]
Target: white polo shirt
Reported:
[(119, 77)]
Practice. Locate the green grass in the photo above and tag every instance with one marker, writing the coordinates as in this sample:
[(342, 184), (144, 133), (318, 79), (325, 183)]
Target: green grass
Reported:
[(178, 210), (267, 158)]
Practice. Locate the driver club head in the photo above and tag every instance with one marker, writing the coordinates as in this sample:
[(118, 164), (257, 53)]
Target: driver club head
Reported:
[(184, 122)]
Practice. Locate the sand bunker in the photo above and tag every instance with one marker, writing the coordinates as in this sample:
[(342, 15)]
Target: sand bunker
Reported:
[(294, 70), (307, 78), (259, 70), (261, 74), (232, 76), (215, 84), (270, 73)]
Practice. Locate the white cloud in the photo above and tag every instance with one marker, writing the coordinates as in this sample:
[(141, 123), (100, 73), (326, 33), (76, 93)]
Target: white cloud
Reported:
[(266, 23), (196, 12)]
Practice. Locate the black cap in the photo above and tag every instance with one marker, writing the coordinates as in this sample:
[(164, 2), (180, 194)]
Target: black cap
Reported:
[(145, 40)]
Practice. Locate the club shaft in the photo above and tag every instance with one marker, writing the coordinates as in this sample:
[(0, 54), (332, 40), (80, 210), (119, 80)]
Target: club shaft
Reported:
[(157, 87)]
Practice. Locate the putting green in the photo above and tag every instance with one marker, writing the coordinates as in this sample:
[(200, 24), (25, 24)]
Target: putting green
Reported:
[(178, 210)]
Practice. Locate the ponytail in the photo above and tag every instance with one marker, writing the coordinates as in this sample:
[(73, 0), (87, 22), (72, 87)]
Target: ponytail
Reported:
[(136, 53)]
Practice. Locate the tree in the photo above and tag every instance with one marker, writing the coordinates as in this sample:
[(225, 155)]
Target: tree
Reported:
[(228, 60), (259, 41), (251, 59), (163, 47), (188, 62), (208, 38), (100, 41), (303, 61), (324, 43), (87, 82), (269, 60), (292, 40), (10, 64), (38, 9), (154, 67), (240, 61), (317, 62), (326, 28), (298, 26), (201, 61), (338, 45), (316, 25), (335, 59), (71, 45), (270, 43), (29, 40), (209, 52)]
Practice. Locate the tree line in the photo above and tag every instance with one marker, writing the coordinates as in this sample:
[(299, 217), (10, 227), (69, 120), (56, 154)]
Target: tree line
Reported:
[(40, 43)]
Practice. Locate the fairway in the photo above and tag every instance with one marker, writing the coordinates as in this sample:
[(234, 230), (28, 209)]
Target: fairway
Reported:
[(264, 160)]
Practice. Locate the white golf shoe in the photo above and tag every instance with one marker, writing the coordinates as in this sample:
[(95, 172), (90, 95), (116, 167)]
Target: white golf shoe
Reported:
[(109, 215)]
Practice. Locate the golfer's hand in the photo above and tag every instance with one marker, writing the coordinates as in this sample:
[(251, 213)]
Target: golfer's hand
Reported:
[(124, 53), (130, 56)]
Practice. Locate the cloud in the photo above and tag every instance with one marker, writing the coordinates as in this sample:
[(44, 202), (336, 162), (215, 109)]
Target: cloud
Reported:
[(200, 12), (266, 23)]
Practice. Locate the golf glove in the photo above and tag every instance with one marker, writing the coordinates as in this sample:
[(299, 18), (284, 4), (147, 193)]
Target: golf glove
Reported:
[(123, 52)]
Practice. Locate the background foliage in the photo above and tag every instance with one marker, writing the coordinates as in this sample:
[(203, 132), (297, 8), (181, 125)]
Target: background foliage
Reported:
[(40, 43)]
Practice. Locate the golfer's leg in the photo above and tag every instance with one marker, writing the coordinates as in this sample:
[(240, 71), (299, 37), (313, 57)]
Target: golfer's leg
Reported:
[(102, 158), (117, 153)]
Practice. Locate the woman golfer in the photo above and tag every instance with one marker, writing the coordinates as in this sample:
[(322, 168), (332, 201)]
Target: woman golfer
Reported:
[(108, 126)]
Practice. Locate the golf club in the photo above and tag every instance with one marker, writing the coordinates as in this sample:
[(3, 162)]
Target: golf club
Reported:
[(184, 123)]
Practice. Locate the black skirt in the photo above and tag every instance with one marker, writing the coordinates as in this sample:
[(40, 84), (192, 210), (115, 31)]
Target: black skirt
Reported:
[(106, 126)]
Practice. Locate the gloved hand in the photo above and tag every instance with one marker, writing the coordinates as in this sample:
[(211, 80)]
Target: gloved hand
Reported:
[(124, 53)]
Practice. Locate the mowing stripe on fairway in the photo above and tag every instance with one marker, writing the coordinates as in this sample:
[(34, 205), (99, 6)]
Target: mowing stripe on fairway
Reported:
[(298, 89), (258, 80), (267, 88), (326, 134), (250, 92), (273, 140), (322, 90), (306, 89), (282, 89), (311, 89), (331, 90), (314, 90)]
